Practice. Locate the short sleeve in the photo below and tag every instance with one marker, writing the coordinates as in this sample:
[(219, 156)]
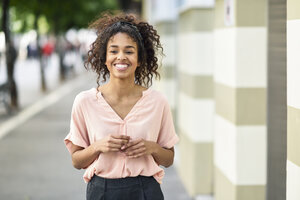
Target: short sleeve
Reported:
[(167, 137), (78, 134)]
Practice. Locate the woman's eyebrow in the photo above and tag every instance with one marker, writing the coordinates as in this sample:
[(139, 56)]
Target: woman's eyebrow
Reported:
[(116, 46), (129, 46)]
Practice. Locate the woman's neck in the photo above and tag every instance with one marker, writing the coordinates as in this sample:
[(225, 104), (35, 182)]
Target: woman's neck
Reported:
[(120, 88)]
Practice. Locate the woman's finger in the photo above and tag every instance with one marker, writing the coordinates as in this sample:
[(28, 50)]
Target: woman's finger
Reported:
[(136, 151), (136, 145)]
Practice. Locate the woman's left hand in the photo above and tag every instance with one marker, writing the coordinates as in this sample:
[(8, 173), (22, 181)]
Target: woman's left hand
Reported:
[(138, 148)]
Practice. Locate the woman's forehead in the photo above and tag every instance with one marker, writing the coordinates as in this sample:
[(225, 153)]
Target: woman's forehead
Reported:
[(121, 38)]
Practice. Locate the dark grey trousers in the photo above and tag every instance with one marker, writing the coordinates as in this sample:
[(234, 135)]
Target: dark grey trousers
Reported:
[(130, 188)]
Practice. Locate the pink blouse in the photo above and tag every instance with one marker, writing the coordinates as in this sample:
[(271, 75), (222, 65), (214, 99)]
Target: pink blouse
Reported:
[(92, 118)]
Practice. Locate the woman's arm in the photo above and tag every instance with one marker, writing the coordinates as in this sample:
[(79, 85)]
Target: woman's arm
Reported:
[(142, 147), (83, 157)]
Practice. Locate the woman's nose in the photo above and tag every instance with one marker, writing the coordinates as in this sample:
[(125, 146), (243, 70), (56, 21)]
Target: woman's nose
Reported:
[(121, 56)]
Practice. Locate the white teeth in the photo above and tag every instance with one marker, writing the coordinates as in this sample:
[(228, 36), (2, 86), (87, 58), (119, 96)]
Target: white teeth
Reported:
[(121, 65)]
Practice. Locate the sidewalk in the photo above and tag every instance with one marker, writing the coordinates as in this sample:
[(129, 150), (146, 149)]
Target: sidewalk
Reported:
[(28, 80), (35, 164)]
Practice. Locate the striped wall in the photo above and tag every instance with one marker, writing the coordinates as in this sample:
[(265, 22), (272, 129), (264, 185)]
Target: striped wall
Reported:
[(162, 15), (293, 100), (195, 98), (167, 84), (240, 100)]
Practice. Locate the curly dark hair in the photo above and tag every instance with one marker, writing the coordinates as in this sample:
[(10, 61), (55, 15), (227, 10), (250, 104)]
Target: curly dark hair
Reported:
[(142, 33)]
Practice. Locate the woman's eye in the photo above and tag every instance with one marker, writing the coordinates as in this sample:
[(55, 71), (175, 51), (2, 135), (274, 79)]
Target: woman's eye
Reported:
[(129, 52), (113, 51)]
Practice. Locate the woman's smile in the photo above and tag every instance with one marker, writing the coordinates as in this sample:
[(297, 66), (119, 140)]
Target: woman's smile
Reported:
[(121, 67)]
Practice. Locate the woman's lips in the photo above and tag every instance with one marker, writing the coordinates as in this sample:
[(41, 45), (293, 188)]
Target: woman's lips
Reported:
[(121, 67)]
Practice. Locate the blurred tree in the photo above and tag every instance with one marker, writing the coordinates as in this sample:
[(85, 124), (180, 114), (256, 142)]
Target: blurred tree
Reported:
[(60, 16), (10, 54), (131, 6)]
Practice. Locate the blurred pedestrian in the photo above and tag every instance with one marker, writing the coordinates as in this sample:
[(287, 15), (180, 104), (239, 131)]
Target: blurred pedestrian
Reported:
[(48, 48), (122, 131)]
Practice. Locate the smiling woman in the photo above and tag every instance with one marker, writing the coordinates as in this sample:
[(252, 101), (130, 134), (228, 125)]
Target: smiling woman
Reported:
[(122, 131)]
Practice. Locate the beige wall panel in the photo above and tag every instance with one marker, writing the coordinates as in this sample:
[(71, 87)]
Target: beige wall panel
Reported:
[(166, 28), (251, 13), (225, 98), (250, 192), (196, 19), (241, 106), (293, 9), (293, 139), (251, 106), (196, 86), (219, 14), (247, 13), (196, 165), (167, 72), (225, 190)]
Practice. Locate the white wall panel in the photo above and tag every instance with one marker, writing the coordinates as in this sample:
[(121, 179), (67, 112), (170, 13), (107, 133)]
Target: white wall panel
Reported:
[(195, 51), (251, 56), (251, 155), (224, 48), (195, 118), (293, 181), (240, 56), (293, 63), (225, 147), (169, 46), (168, 87), (240, 152)]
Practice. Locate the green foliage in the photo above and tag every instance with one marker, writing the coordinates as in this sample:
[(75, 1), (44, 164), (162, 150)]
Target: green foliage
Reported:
[(57, 15)]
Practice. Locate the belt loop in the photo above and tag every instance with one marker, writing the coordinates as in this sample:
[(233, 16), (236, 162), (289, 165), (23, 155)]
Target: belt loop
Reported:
[(140, 180), (105, 185)]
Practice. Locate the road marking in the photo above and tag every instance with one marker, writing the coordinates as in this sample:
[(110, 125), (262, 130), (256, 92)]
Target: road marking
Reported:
[(12, 123)]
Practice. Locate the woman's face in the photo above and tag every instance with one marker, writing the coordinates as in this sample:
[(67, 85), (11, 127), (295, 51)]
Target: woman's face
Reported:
[(121, 56)]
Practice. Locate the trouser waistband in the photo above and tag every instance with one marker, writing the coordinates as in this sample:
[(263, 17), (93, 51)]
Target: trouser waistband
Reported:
[(121, 182)]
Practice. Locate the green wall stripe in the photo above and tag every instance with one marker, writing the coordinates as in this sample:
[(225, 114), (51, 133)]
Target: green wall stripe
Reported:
[(226, 190), (251, 13), (196, 19), (167, 72), (293, 9), (196, 86), (219, 14), (241, 106), (293, 138), (246, 13), (166, 28), (196, 169)]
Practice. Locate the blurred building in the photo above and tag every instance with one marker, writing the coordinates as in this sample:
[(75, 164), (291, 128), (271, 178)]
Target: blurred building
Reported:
[(234, 92)]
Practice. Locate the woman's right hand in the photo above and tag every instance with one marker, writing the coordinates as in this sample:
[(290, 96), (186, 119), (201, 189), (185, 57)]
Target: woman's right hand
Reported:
[(83, 157), (111, 143)]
